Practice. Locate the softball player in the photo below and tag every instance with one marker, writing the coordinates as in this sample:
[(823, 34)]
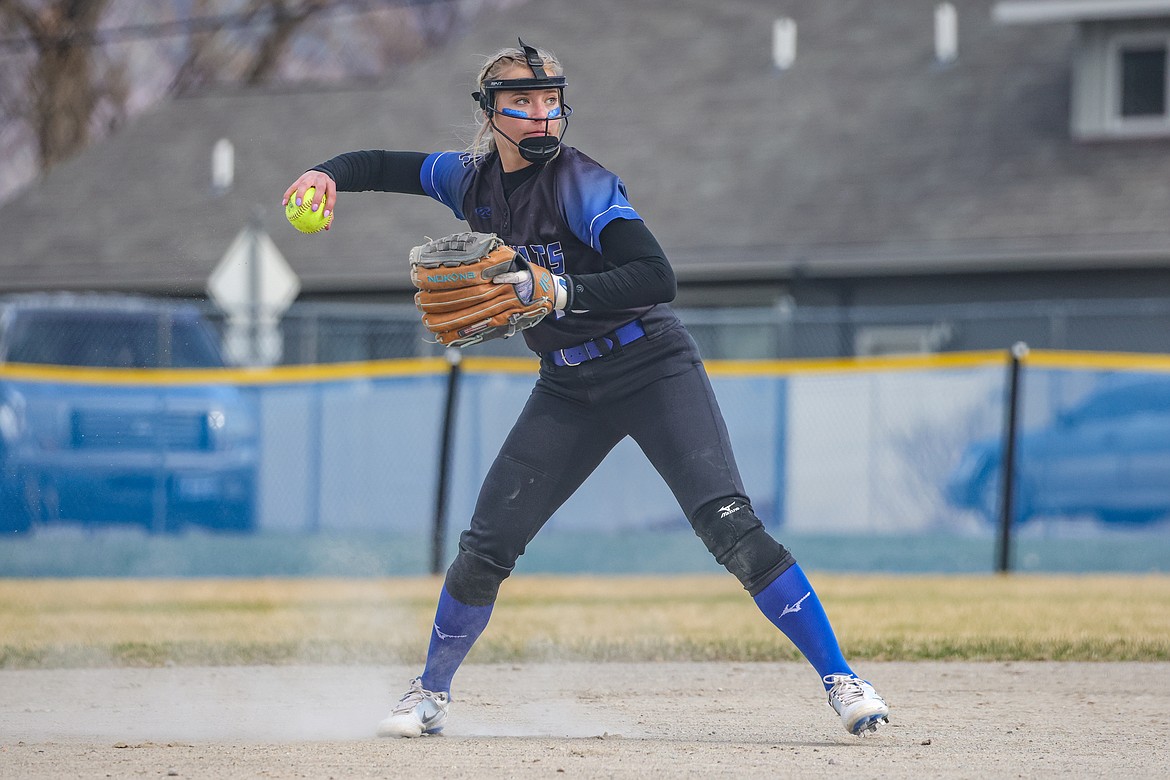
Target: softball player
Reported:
[(615, 361)]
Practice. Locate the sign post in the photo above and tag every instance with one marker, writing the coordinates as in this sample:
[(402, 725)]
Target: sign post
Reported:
[(254, 285)]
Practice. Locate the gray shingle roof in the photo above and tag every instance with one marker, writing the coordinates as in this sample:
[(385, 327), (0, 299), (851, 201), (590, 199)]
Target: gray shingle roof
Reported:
[(864, 158)]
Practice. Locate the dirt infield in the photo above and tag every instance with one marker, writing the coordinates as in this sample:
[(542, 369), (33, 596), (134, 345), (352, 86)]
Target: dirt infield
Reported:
[(626, 720)]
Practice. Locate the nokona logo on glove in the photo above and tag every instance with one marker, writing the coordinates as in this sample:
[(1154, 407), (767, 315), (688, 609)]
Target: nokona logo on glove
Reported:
[(467, 276)]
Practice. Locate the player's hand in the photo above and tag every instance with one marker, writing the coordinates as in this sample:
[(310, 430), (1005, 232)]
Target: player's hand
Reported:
[(325, 195), (523, 282)]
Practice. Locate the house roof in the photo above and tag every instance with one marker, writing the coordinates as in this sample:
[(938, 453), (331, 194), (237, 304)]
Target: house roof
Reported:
[(1044, 11), (864, 158)]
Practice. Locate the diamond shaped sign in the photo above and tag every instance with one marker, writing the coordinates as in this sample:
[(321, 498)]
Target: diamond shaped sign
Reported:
[(253, 276)]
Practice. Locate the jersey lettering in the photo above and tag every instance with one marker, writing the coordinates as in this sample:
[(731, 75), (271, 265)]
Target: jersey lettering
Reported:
[(556, 258), (551, 256)]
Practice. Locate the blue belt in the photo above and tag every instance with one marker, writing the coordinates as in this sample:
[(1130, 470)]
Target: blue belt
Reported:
[(598, 347)]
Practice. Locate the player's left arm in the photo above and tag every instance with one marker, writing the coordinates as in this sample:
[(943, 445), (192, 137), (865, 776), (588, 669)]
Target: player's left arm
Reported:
[(598, 212), (637, 271)]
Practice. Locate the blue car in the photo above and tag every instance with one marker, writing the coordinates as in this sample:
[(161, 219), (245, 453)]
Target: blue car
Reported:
[(160, 456), (1108, 458)]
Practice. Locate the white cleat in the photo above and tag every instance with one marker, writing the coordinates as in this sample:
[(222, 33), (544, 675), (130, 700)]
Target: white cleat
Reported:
[(859, 705), (418, 712)]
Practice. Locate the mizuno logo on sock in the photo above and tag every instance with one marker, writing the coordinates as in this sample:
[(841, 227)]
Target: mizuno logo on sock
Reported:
[(450, 636), (795, 607), (730, 509)]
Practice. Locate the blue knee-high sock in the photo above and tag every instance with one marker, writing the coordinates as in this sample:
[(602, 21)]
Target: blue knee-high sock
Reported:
[(793, 607), (457, 626)]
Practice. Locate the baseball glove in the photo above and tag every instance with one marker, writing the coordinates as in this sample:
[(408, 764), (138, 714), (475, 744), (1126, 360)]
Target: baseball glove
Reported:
[(461, 300)]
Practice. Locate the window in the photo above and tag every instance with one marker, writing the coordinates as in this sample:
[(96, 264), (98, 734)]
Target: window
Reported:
[(1119, 84), (1121, 87), (1137, 102), (1143, 81), (110, 338)]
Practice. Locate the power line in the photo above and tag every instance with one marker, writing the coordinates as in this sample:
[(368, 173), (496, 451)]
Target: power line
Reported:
[(234, 21)]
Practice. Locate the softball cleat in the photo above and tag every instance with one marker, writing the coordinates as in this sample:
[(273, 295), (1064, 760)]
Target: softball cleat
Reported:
[(418, 712), (859, 705)]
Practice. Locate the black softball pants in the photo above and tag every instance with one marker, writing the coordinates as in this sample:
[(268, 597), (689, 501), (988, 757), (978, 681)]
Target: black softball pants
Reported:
[(654, 390)]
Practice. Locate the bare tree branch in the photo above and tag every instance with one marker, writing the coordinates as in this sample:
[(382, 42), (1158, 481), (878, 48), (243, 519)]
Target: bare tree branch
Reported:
[(64, 96), (287, 20), (66, 80)]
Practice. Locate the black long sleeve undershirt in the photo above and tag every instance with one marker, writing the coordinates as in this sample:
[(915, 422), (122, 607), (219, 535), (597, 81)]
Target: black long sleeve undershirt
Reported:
[(376, 170), (637, 271)]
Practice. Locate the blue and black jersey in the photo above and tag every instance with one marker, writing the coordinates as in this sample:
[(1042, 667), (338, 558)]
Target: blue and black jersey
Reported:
[(554, 214), (569, 194), (554, 217)]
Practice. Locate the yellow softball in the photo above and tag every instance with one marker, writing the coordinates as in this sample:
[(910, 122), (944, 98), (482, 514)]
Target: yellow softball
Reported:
[(303, 218)]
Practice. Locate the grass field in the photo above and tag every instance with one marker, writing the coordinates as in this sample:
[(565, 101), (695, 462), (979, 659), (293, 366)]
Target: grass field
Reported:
[(47, 623)]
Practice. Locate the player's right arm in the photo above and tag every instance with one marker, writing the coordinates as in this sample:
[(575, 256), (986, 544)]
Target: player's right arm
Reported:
[(359, 172), (442, 176)]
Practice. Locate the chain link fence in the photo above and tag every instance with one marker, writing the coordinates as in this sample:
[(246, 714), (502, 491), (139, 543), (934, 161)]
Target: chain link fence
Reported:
[(312, 332)]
